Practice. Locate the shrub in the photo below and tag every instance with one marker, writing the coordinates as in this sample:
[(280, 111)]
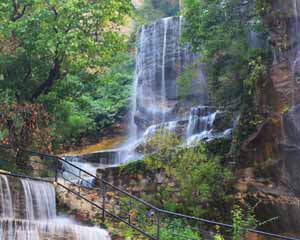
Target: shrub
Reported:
[(203, 181)]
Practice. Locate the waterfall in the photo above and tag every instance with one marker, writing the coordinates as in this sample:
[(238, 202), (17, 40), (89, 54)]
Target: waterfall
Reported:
[(200, 124), (193, 119), (163, 65), (171, 126), (201, 120), (156, 103), (28, 212), (76, 176), (6, 199), (39, 200), (61, 229), (160, 60)]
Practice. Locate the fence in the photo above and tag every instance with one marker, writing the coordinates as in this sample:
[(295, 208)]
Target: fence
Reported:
[(113, 202)]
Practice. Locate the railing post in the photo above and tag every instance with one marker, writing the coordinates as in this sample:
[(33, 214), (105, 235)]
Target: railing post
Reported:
[(157, 225), (56, 165), (79, 182), (56, 173), (129, 211), (103, 200)]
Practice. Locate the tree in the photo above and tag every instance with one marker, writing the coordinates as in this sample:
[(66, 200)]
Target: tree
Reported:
[(54, 52), (50, 39), (220, 30)]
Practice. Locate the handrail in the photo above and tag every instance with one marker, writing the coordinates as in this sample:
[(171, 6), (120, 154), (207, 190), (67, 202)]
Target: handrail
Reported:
[(109, 213), (156, 209), (84, 171), (24, 176)]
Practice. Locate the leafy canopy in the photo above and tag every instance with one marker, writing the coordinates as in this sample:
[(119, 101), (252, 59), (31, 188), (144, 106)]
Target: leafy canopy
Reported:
[(58, 53), (51, 39), (221, 32)]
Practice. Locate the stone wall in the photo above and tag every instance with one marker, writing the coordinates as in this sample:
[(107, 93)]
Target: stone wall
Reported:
[(137, 180)]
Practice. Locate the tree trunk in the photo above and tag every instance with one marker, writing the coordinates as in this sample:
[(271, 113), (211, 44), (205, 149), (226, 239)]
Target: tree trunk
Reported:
[(49, 82)]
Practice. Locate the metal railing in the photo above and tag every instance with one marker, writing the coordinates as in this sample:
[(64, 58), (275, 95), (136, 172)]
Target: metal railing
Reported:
[(113, 202)]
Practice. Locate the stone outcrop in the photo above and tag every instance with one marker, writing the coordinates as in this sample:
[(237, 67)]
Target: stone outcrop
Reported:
[(278, 207), (139, 183), (279, 139), (275, 147)]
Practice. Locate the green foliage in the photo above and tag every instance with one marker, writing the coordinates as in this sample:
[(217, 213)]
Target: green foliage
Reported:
[(90, 103), (220, 30), (164, 146), (132, 168), (168, 7), (219, 146), (201, 178), (286, 109), (177, 228), (129, 233), (170, 206), (185, 80), (147, 13), (75, 35), (258, 70), (62, 54), (152, 10), (218, 237), (241, 220)]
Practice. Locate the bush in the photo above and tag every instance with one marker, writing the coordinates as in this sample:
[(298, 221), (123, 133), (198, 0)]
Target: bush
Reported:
[(203, 181), (178, 229), (89, 103)]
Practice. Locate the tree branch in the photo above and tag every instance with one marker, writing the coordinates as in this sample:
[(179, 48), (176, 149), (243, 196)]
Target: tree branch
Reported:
[(16, 14), (15, 5), (53, 75), (54, 72)]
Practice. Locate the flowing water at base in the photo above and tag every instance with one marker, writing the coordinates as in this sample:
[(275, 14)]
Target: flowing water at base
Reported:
[(28, 212), (55, 229)]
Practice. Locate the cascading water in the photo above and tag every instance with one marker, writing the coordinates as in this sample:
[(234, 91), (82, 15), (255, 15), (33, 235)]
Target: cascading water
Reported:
[(6, 199), (200, 122), (163, 66), (201, 125), (156, 101), (75, 175), (39, 200), (28, 212), (160, 59)]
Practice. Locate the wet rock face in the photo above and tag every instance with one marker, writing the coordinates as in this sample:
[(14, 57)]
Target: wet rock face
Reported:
[(160, 61), (276, 144), (282, 21), (291, 126), (290, 149), (290, 139), (278, 138)]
